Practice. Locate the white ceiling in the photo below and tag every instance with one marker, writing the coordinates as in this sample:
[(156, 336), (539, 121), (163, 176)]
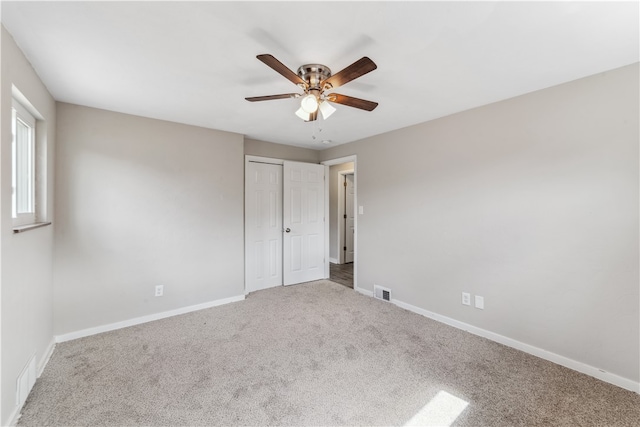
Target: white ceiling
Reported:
[(194, 62)]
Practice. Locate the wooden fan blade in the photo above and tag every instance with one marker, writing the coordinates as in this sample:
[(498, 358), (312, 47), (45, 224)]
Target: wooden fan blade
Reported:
[(359, 68), (270, 97), (352, 102), (282, 69)]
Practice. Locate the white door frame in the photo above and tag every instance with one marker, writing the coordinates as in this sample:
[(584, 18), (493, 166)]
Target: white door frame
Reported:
[(333, 162), (341, 210)]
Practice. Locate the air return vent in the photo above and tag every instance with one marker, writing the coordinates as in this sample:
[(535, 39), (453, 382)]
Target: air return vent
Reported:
[(381, 293), (25, 381)]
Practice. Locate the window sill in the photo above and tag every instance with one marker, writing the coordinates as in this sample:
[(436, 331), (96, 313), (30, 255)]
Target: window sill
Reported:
[(23, 228)]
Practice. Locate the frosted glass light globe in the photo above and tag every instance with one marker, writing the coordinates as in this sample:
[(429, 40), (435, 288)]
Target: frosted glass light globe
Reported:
[(309, 104)]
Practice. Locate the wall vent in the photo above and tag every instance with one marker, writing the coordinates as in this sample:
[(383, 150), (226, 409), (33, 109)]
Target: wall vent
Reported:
[(381, 293), (25, 381)]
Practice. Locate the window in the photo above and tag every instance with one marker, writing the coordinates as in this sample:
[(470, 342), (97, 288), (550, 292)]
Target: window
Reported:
[(23, 179)]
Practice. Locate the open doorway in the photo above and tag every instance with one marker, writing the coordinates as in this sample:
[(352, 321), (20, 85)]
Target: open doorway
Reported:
[(347, 231), (342, 220)]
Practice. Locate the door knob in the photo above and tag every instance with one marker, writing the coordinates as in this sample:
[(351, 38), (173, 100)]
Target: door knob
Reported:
[(288, 230)]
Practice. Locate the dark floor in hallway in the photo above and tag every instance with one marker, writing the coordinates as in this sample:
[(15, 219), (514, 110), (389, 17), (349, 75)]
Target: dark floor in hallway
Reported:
[(342, 273)]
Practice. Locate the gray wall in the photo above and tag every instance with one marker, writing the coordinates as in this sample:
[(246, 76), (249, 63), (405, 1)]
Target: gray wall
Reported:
[(141, 203), (26, 309), (531, 203), (254, 147)]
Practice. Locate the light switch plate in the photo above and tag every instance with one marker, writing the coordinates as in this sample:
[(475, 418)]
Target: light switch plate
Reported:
[(480, 302), (361, 210)]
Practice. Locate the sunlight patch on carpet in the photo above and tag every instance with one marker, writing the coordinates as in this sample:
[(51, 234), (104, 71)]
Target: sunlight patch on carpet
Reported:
[(442, 410)]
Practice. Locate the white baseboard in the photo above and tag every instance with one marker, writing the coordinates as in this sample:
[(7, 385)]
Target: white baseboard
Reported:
[(364, 291), (543, 354), (144, 319), (46, 356), (14, 417), (333, 260)]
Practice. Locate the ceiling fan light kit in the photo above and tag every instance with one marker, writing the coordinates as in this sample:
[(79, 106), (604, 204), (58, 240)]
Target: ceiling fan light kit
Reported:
[(314, 80), (326, 109), (303, 114), (309, 103)]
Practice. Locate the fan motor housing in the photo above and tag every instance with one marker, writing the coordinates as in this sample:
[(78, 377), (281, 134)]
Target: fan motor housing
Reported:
[(314, 74)]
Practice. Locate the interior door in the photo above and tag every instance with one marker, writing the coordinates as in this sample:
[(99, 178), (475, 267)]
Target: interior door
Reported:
[(263, 226), (303, 222), (349, 226)]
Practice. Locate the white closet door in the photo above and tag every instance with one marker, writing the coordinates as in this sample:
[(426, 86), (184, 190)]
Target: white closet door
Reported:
[(263, 226), (303, 222)]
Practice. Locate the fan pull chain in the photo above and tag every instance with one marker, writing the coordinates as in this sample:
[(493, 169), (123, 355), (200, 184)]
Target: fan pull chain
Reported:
[(316, 128)]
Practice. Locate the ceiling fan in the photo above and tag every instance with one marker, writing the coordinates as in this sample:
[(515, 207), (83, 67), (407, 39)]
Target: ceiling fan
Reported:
[(315, 80)]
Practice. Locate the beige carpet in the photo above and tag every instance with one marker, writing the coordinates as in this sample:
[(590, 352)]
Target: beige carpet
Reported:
[(312, 354)]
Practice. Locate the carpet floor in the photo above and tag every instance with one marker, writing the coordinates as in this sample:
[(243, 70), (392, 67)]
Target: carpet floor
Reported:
[(312, 354)]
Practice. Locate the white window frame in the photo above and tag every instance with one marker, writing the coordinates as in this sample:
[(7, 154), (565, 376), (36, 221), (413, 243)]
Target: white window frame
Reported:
[(20, 114)]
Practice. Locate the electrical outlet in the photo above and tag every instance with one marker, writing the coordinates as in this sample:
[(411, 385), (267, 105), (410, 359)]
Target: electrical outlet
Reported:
[(480, 302), (466, 298), (159, 290)]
